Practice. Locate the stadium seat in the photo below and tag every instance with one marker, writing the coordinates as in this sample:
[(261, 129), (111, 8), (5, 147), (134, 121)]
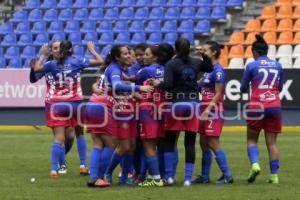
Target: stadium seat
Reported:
[(2, 63), (296, 39), (25, 39), (250, 38), (55, 27), (78, 51), (285, 25), (111, 14), (191, 3), (41, 39), (138, 38), (237, 4), (26, 63), (72, 26), (172, 13), (50, 15), (236, 52), (297, 25), (284, 51), (96, 4), (15, 63), (106, 38), (20, 16), (157, 13), (90, 37), (65, 15), (169, 26), (6, 28), (253, 25), (248, 60), (141, 14), (286, 62), (123, 38), (204, 2), (88, 26), (60, 36), (28, 52), (105, 50), (296, 14), (12, 52), (112, 3), (223, 61), (248, 52), (296, 2), (203, 13), (272, 52), (270, 37), (81, 14), (105, 26), (218, 3), (186, 26), (65, 4), (236, 63), (153, 26), (188, 13), (96, 14), (170, 38), (143, 3), (173, 3), (269, 25), (39, 27), (32, 4), (81, 4), (127, 3), (1, 52), (35, 15), (156, 3), (189, 36), (127, 14), (121, 26), (202, 27), (285, 38), (285, 12), (137, 26), (49, 4), (283, 2), (9, 40), (296, 52), (236, 38), (268, 12), (154, 38), (218, 14), (297, 63), (75, 38)]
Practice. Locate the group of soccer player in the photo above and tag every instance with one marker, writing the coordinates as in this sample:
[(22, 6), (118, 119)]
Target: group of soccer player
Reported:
[(143, 98)]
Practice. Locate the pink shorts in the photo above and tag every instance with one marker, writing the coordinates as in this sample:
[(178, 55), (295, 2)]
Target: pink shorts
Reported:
[(269, 120), (150, 128), (212, 127), (126, 129)]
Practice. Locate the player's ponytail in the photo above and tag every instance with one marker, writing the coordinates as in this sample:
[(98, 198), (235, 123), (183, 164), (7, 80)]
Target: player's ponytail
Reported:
[(168, 52), (260, 46), (182, 48), (112, 56), (215, 47), (66, 50)]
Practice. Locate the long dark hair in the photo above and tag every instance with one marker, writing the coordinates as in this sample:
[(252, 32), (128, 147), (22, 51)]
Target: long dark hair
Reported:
[(169, 51), (182, 48), (66, 50), (113, 54), (260, 46), (215, 47)]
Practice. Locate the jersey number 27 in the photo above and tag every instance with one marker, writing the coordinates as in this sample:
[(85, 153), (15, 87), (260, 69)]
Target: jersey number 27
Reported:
[(266, 73)]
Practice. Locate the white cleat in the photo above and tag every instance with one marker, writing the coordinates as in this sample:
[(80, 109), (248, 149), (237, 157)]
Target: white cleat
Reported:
[(187, 183), (62, 169)]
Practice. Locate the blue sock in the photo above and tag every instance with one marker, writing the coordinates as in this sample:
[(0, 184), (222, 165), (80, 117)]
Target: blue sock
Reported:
[(126, 168), (137, 162), (253, 154), (62, 158), (94, 163), (206, 164), (222, 162), (274, 166), (105, 159), (143, 166), (115, 160), (161, 163), (189, 169), (153, 167), (81, 147), (176, 160), (168, 159), (55, 155)]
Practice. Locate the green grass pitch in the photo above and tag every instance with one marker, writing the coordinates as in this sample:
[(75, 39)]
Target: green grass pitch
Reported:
[(27, 155)]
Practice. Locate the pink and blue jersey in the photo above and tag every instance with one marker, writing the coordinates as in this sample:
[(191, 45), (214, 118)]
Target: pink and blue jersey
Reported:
[(133, 70), (207, 87), (266, 78)]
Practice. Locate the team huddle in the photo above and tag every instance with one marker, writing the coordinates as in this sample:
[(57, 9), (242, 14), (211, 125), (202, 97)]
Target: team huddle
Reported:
[(143, 98)]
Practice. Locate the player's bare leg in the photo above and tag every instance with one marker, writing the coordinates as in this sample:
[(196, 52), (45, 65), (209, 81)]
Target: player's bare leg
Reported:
[(271, 142), (252, 140)]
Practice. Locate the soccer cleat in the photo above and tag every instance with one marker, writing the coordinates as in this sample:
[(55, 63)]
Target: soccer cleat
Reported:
[(187, 183), (200, 180), (83, 170), (62, 169), (170, 181), (98, 183), (108, 178), (152, 183), (273, 179), (254, 172), (53, 174), (224, 180)]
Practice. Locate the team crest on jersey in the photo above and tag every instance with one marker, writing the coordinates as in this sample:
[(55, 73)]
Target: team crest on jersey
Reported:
[(219, 75)]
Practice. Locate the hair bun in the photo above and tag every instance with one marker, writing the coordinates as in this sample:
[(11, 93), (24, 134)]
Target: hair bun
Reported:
[(260, 39), (221, 46)]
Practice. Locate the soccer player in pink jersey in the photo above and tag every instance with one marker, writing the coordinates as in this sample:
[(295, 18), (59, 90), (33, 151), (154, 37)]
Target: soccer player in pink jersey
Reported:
[(212, 86), (264, 110)]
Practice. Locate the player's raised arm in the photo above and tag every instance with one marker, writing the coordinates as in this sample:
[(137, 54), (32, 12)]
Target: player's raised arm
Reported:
[(38, 67), (98, 59)]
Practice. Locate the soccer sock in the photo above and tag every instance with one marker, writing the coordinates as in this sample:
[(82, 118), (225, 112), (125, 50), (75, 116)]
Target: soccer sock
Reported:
[(253, 154), (55, 155), (161, 162), (274, 166), (104, 160), (222, 162), (206, 164), (137, 162), (175, 162), (153, 167), (126, 168), (189, 169), (168, 159), (95, 163), (62, 158), (81, 147), (143, 165), (115, 160)]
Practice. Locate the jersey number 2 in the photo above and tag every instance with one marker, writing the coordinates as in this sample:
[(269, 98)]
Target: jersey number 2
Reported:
[(266, 74)]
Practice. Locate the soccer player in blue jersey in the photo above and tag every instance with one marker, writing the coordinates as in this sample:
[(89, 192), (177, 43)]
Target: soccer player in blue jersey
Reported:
[(264, 110)]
